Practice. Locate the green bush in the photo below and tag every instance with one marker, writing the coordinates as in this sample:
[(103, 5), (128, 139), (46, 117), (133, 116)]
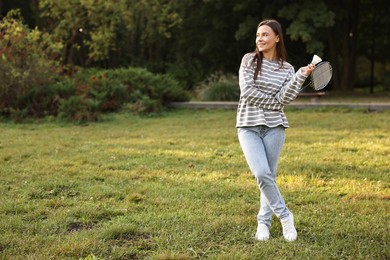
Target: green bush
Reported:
[(144, 91), (219, 87), (109, 92), (162, 87), (79, 109), (222, 91), (144, 105), (44, 100), (27, 61)]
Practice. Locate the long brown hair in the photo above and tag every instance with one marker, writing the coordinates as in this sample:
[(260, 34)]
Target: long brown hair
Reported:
[(281, 53)]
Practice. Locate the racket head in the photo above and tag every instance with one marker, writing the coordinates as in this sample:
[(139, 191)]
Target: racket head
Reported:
[(321, 76)]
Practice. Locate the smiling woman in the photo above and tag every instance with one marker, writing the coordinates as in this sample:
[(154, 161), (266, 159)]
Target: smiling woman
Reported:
[(267, 83)]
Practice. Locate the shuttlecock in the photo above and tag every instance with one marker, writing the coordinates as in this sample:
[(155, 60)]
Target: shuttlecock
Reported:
[(316, 59)]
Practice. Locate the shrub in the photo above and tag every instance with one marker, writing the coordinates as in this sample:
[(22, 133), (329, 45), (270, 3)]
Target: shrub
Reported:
[(144, 105), (45, 100), (222, 91), (162, 87), (109, 92), (27, 61), (219, 87), (79, 109), (144, 91)]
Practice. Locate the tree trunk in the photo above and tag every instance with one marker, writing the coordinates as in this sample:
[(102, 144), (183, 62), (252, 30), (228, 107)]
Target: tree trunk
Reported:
[(67, 56), (373, 44), (349, 47), (333, 59)]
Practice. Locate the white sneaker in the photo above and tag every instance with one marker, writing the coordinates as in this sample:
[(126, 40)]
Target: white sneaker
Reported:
[(289, 231), (262, 233)]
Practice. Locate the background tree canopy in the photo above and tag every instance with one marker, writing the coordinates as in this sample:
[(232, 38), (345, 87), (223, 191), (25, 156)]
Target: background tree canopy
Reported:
[(192, 39)]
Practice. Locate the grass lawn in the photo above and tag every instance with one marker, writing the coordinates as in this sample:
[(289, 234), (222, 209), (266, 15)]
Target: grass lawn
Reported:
[(178, 187), (352, 98)]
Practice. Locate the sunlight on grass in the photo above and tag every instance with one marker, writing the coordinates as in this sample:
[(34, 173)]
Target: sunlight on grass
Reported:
[(352, 189)]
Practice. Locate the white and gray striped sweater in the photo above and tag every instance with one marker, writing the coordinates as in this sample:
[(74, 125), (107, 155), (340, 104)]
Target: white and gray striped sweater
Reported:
[(262, 101)]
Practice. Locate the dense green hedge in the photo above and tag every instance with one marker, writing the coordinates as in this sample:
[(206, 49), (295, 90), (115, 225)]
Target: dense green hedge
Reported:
[(108, 90), (88, 93)]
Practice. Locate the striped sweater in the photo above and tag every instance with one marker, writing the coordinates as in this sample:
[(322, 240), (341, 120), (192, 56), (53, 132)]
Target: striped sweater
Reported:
[(262, 101)]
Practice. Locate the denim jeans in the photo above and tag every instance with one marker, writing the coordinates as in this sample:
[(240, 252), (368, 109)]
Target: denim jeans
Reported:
[(262, 146)]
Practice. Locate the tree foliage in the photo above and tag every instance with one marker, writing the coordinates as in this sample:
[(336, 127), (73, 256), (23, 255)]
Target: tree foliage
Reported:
[(88, 28), (109, 31), (308, 24), (192, 39)]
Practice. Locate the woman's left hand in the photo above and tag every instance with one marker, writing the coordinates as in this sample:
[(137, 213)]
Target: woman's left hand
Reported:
[(306, 71)]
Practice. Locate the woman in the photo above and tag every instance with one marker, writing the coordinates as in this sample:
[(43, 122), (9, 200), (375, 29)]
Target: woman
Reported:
[(267, 83)]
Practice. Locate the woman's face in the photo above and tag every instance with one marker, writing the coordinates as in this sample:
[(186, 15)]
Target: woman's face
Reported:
[(266, 41)]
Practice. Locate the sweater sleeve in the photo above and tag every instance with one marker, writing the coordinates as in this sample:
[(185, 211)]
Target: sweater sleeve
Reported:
[(250, 92), (291, 87)]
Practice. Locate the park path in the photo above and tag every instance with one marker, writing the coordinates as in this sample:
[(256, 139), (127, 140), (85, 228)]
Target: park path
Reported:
[(296, 104)]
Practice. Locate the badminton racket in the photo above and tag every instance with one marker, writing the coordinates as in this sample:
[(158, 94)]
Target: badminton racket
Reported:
[(322, 74)]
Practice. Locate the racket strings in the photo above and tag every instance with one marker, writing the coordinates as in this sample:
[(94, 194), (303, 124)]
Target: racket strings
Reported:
[(319, 81), (321, 76)]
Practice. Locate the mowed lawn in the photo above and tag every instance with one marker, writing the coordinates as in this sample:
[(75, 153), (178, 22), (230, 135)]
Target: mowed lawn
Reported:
[(177, 187)]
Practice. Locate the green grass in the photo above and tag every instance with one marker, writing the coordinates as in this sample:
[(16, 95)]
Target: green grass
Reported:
[(352, 98), (178, 187)]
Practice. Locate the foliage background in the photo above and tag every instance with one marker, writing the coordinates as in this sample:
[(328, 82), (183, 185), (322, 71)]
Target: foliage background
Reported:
[(194, 38), (48, 43)]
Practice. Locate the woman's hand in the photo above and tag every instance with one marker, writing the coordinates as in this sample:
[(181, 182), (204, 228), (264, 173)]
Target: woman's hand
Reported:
[(306, 71)]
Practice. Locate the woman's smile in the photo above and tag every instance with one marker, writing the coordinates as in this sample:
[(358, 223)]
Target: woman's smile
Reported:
[(266, 41)]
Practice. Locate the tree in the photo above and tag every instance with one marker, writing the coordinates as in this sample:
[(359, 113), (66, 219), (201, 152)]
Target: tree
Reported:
[(349, 25), (214, 35), (28, 10), (374, 28), (114, 32), (88, 28), (312, 22), (348, 33), (154, 23)]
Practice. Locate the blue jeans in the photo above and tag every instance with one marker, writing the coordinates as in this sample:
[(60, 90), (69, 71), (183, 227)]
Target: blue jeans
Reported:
[(262, 146)]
